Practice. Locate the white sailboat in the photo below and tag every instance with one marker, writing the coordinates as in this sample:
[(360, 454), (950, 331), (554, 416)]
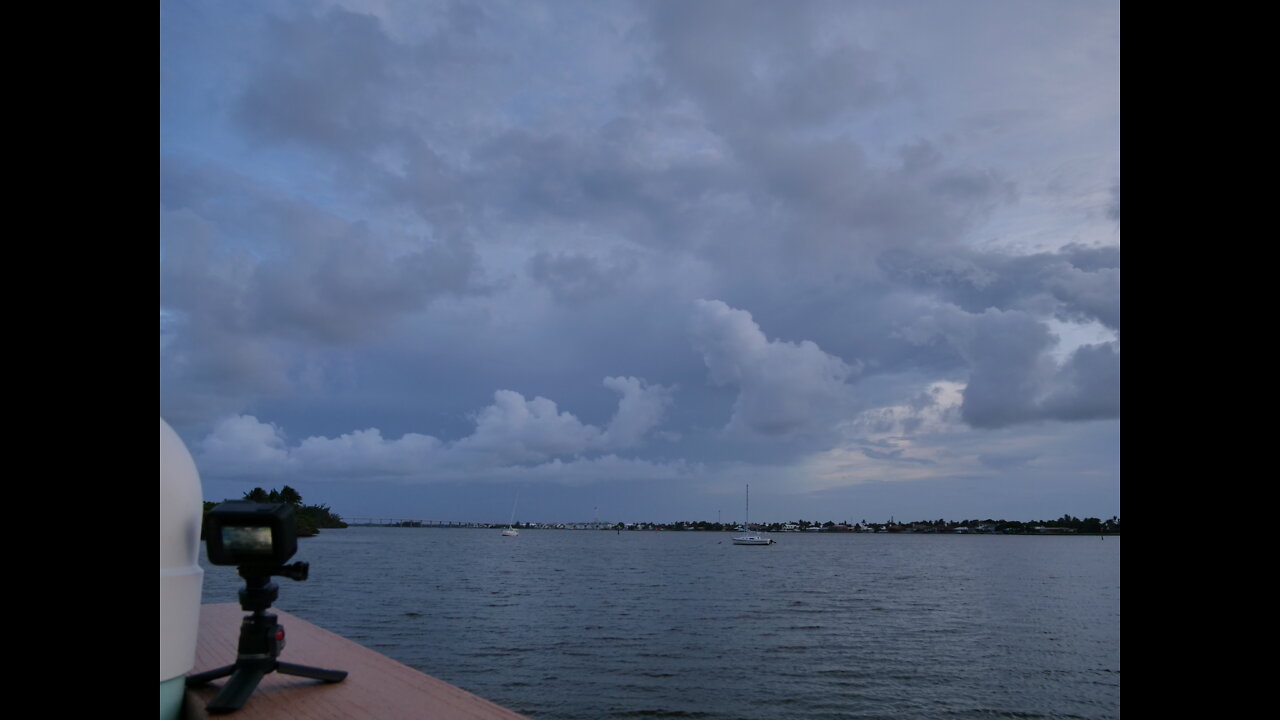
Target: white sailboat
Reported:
[(751, 538), (511, 530)]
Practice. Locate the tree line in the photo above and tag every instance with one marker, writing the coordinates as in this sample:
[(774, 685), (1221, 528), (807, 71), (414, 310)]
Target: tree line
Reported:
[(310, 518), (1064, 524)]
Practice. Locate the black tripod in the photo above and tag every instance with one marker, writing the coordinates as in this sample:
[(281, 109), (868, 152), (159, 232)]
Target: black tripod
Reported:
[(261, 640)]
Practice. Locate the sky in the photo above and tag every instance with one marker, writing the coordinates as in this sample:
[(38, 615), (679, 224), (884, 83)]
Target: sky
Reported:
[(620, 260)]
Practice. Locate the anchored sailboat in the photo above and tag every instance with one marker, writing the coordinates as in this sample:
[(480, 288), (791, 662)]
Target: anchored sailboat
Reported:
[(511, 530), (751, 538)]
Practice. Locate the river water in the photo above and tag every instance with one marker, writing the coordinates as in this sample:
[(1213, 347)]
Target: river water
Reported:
[(589, 624)]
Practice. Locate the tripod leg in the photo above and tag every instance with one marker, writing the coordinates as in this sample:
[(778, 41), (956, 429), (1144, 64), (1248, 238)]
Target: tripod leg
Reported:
[(314, 673), (238, 689), (207, 675)]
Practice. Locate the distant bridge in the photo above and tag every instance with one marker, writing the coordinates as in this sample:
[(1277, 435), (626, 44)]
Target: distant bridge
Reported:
[(413, 522)]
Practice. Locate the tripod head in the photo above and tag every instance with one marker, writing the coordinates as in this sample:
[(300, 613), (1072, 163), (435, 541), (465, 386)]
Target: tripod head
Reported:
[(259, 592)]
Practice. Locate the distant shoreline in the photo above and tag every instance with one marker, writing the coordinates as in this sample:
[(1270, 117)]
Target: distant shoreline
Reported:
[(1065, 526)]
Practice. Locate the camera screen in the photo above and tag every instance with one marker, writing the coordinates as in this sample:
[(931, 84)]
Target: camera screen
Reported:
[(247, 541)]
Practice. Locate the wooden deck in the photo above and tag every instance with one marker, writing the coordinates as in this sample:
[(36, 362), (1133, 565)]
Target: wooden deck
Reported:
[(376, 688)]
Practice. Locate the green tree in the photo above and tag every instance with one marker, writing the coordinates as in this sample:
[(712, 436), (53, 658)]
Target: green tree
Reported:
[(310, 518)]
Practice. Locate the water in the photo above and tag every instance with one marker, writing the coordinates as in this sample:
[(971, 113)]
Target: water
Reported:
[(582, 624)]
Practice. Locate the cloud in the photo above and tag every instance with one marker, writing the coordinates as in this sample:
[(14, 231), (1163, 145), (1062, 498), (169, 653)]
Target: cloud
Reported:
[(252, 280), (243, 445), (337, 81), (783, 92), (327, 82), (1086, 294), (1075, 283), (592, 470), (512, 432), (575, 277), (366, 454), (761, 64), (894, 437), (1087, 387), (374, 215), (272, 263), (1013, 377), (1006, 460), (931, 410), (783, 387), (640, 409)]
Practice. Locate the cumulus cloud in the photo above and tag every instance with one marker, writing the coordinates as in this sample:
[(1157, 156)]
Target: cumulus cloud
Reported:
[(783, 387), (640, 409), (365, 453), (244, 445), (515, 430), (511, 432)]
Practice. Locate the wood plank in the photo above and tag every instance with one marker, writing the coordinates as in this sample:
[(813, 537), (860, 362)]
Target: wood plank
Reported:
[(376, 687)]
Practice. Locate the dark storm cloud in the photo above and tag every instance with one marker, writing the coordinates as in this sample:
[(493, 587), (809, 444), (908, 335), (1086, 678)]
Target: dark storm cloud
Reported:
[(1088, 385), (309, 274), (335, 80), (1075, 283), (252, 278), (767, 84), (1013, 378), (574, 277), (340, 87), (756, 66), (326, 84), (601, 177)]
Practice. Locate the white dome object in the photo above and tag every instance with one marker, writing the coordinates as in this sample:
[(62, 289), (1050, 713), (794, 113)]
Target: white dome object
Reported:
[(180, 573)]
